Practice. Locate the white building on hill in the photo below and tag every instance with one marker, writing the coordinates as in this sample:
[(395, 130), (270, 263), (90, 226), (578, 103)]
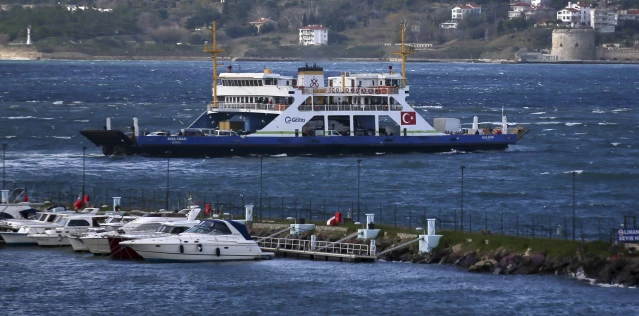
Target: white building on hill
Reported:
[(603, 21), (575, 14), (461, 11), (313, 35)]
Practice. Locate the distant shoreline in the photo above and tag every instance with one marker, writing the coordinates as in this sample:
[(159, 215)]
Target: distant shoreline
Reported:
[(78, 56)]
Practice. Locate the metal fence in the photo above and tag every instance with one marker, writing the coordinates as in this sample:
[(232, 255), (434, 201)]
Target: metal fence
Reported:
[(294, 208)]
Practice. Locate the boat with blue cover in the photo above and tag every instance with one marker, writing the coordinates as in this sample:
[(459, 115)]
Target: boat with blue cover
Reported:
[(267, 113)]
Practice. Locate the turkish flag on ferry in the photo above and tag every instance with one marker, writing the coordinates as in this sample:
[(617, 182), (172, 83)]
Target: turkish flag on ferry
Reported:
[(409, 118)]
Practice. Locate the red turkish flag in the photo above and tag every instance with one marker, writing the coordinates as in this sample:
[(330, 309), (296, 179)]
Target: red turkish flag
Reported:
[(408, 118)]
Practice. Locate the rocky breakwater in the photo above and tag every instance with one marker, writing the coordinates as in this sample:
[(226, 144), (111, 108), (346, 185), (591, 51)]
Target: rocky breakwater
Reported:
[(585, 262), (617, 269), (19, 53)]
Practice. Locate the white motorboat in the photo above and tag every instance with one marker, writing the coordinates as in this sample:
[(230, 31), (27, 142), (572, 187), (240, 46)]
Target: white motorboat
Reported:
[(99, 244), (42, 222), (73, 224), (80, 242), (166, 229), (210, 240)]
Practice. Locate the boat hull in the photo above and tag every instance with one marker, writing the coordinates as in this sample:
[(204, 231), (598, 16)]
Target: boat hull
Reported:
[(97, 246), (122, 252), (45, 240), (192, 253), (18, 239), (78, 244), (209, 146)]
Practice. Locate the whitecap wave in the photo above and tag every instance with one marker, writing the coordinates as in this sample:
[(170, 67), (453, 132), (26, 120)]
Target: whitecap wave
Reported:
[(547, 129), (573, 123), (615, 144), (621, 110), (279, 156), (61, 137), (575, 171), (20, 117), (81, 121), (58, 102), (427, 107), (607, 123), (547, 123), (598, 111), (538, 113)]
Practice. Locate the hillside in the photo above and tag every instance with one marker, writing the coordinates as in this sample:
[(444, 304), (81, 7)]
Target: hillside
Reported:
[(179, 28)]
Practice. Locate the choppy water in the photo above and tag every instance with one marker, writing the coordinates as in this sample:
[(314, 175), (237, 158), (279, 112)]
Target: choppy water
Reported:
[(583, 117), (56, 281)]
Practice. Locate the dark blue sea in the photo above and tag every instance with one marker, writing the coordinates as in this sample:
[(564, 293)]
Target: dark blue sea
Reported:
[(580, 155)]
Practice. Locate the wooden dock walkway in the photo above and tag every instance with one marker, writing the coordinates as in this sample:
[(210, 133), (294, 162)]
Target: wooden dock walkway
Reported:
[(316, 250)]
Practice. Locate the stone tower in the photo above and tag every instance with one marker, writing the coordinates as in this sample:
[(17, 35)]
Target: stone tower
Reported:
[(573, 44), (29, 35)]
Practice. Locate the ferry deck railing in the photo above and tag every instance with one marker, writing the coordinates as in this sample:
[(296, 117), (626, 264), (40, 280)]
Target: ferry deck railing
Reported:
[(306, 107), (377, 90)]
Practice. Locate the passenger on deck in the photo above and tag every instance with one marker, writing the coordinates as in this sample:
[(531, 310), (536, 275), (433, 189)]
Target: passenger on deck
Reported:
[(477, 132)]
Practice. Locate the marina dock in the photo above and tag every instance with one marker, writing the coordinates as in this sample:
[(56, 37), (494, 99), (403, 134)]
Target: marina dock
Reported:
[(317, 250)]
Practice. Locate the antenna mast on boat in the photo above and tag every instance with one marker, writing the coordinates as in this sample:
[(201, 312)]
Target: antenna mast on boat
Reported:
[(212, 48), (406, 50)]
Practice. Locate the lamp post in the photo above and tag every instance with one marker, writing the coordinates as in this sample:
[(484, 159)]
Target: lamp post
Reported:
[(168, 168), (573, 205), (4, 182), (462, 197), (84, 155), (261, 187), (358, 181)]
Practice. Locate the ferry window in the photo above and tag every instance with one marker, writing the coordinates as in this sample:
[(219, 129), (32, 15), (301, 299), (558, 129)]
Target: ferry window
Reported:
[(219, 81), (148, 227), (252, 83), (260, 82), (287, 82), (330, 83), (360, 83), (294, 82)]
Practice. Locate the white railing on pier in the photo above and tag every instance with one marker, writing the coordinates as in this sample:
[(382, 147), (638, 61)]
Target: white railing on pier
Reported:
[(377, 90), (285, 244)]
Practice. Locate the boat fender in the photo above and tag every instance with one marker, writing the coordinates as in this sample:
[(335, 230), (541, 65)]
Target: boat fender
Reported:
[(347, 90), (370, 91), (181, 249), (317, 108), (383, 91), (217, 251), (199, 247), (385, 108), (357, 90), (59, 237)]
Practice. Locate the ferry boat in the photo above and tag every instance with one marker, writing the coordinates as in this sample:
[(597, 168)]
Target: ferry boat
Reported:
[(272, 114)]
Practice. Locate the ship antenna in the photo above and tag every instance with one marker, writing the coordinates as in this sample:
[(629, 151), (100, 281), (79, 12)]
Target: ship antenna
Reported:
[(406, 50), (212, 48)]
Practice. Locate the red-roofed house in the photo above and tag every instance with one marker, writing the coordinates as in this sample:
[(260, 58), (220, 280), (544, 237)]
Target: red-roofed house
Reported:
[(517, 10), (313, 35), (575, 14), (259, 22), (461, 11), (628, 15)]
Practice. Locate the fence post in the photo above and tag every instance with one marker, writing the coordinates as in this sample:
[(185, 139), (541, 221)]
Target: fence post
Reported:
[(395, 215), (455, 219), (533, 226)]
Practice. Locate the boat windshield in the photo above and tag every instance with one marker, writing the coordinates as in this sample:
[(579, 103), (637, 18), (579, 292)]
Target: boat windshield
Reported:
[(211, 228), (63, 221)]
